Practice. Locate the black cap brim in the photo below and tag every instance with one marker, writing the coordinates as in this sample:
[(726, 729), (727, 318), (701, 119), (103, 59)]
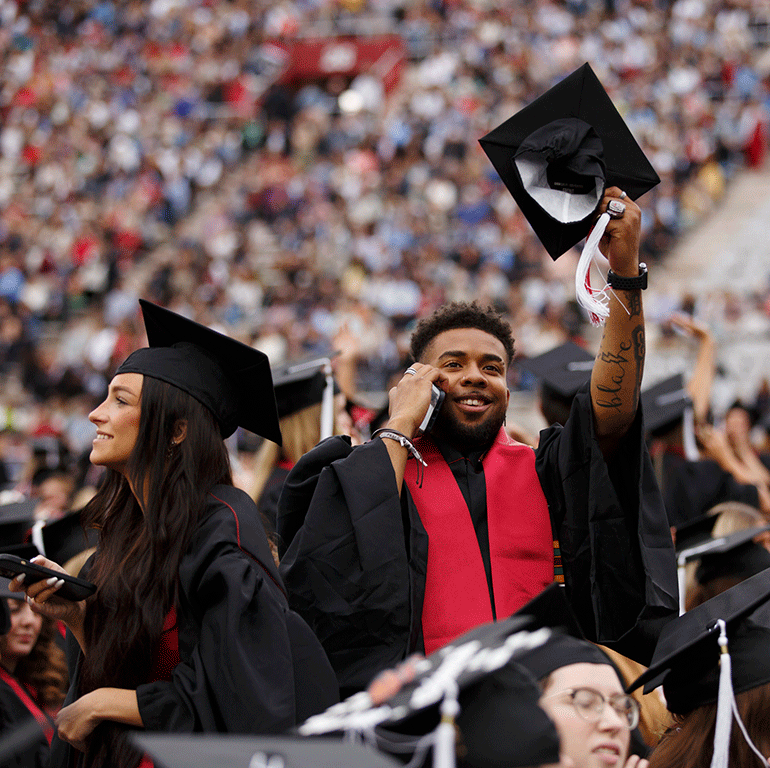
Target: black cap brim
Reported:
[(664, 403), (564, 369), (579, 95), (194, 750), (299, 385)]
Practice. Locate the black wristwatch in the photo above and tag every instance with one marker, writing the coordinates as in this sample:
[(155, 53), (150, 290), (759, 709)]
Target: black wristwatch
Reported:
[(629, 283)]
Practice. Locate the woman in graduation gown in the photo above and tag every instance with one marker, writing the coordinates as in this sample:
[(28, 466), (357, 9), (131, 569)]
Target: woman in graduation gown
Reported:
[(189, 629)]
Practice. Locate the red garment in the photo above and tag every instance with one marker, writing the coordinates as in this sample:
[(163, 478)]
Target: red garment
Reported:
[(37, 712), (521, 544), (166, 659)]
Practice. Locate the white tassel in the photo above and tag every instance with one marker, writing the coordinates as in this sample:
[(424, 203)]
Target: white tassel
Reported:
[(327, 402), (444, 744), (724, 720), (595, 302), (691, 452)]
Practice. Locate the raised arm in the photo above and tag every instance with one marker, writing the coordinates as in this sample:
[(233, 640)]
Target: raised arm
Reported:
[(617, 374)]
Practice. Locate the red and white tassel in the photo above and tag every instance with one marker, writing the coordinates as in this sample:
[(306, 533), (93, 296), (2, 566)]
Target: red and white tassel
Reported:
[(595, 302)]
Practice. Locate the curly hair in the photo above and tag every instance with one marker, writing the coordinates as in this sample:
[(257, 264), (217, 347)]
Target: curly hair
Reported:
[(44, 669), (460, 314)]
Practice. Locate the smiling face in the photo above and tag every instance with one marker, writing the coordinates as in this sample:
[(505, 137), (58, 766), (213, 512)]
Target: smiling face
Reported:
[(117, 422), (601, 744), (21, 638), (475, 365)]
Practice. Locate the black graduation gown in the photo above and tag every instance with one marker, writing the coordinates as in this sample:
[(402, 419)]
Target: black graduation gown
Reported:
[(248, 664), (692, 488), (22, 741), (356, 555)]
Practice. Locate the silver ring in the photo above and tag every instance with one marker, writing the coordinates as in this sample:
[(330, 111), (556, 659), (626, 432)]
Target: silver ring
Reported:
[(623, 195), (616, 209), (410, 370)]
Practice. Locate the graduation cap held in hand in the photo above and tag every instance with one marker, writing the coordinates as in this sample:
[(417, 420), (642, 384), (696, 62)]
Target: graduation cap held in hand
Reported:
[(557, 156), (230, 378)]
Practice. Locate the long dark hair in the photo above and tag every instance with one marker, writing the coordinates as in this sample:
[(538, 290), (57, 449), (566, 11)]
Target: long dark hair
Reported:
[(137, 561), (44, 669)]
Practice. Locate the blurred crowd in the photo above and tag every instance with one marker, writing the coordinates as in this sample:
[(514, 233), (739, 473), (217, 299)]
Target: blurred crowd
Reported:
[(153, 149)]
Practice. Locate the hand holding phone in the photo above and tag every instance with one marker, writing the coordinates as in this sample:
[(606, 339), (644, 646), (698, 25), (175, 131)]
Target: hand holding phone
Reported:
[(436, 399), (72, 589)]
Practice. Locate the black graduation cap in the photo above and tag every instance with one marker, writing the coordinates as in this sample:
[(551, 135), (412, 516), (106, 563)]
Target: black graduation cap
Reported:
[(195, 750), (231, 379), (301, 384), (565, 646), (5, 613), (65, 538), (686, 657), (665, 403), (497, 697), (694, 533), (738, 556), (563, 369), (557, 155), (16, 520)]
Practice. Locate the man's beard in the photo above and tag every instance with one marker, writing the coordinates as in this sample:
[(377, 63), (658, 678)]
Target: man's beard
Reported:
[(468, 437)]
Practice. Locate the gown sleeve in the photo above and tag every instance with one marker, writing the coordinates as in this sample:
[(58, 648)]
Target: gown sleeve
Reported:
[(611, 523), (238, 670), (346, 564)]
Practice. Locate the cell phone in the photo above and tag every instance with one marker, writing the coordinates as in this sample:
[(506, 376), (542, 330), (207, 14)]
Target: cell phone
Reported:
[(72, 589), (436, 398)]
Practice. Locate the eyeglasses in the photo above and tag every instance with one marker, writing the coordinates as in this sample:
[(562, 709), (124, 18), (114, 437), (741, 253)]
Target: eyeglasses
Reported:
[(589, 704)]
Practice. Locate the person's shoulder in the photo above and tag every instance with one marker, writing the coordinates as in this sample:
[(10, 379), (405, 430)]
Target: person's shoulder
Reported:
[(231, 507)]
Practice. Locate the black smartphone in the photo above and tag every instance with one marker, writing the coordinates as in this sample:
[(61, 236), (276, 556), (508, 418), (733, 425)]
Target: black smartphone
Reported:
[(436, 398), (72, 589)]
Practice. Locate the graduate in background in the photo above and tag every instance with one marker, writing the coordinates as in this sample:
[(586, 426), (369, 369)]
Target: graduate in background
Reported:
[(704, 658)]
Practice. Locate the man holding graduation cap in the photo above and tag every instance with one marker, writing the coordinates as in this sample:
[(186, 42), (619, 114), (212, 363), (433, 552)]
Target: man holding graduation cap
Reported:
[(427, 531)]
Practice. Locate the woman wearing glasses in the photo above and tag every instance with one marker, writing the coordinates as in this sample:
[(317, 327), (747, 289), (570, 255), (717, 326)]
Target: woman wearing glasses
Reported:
[(583, 695)]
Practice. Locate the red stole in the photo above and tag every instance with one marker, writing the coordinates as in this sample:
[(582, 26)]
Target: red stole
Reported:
[(521, 544), (42, 718), (166, 658)]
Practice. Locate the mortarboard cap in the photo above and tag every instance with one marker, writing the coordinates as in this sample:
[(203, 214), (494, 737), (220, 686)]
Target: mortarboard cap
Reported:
[(16, 521), (65, 538), (231, 379), (557, 155), (300, 385), (495, 695), (194, 750), (694, 533), (738, 557), (563, 369), (5, 613), (565, 646), (665, 403), (686, 657)]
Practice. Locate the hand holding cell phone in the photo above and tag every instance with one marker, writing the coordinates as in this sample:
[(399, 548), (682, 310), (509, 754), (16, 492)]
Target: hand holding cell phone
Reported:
[(49, 589)]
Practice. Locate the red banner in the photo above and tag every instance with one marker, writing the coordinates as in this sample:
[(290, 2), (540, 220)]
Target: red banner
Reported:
[(320, 58)]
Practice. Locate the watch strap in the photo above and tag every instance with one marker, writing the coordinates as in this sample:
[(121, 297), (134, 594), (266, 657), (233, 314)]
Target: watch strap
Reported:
[(629, 283)]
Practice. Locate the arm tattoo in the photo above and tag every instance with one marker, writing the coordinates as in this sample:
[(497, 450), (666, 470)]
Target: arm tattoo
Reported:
[(635, 304)]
